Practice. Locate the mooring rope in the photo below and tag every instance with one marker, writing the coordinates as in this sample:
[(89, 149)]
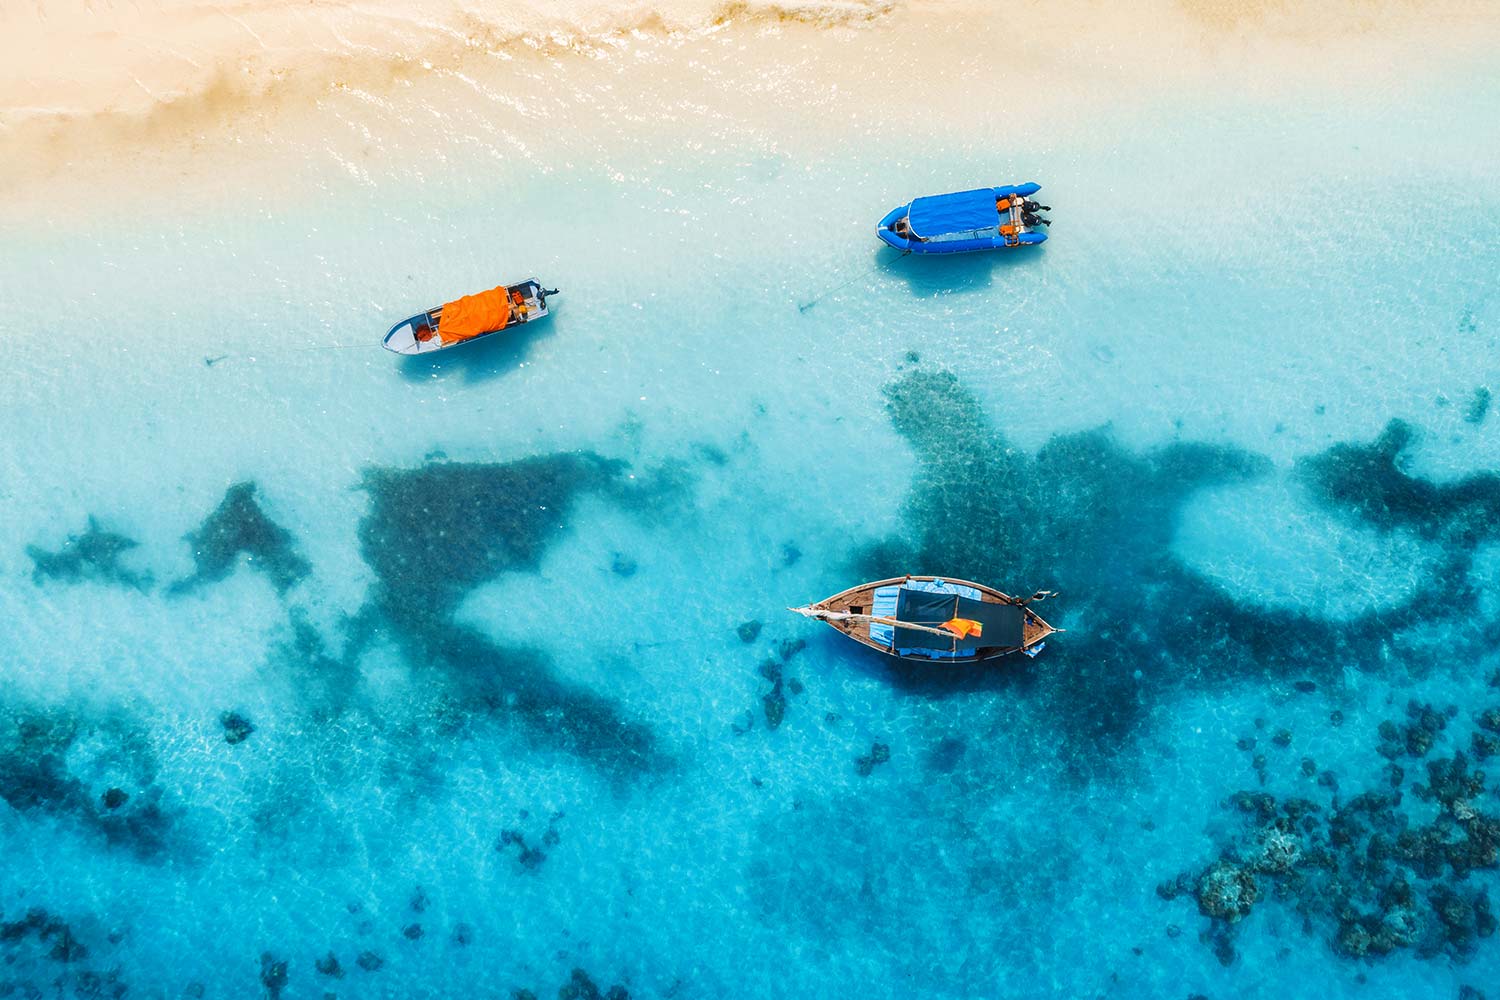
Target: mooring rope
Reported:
[(805, 306)]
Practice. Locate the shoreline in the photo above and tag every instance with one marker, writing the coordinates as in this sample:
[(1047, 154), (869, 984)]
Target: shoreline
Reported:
[(691, 72)]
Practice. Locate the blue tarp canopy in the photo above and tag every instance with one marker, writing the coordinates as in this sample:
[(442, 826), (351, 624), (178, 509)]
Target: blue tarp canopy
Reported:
[(961, 212)]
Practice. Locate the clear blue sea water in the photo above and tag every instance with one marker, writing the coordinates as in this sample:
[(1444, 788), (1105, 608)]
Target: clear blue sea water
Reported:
[(484, 682)]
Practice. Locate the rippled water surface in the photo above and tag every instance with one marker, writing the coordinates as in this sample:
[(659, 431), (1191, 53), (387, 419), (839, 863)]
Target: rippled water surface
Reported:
[(326, 672)]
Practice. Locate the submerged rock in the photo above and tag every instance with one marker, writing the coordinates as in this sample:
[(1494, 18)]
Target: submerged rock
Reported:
[(1226, 891), (329, 965), (1378, 877), (237, 728), (879, 754), (369, 961), (530, 858), (774, 703), (273, 974), (580, 987)]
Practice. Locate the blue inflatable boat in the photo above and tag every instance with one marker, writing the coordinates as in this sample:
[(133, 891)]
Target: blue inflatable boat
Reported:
[(982, 219)]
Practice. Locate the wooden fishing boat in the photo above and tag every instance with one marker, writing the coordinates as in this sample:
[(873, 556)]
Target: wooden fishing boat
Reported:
[(471, 318), (936, 619)]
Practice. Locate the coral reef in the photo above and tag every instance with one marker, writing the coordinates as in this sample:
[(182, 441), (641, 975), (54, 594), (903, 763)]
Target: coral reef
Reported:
[(239, 527), (1375, 872), (63, 763), (879, 754), (94, 555), (1084, 513), (237, 728), (434, 533)]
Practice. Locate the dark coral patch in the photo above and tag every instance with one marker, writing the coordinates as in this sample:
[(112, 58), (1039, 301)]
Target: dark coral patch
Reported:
[(1370, 481), (580, 986), (519, 684), (39, 754), (38, 936), (94, 555), (1095, 521), (436, 532), (237, 728), (1370, 874), (326, 684), (273, 974), (1083, 516), (239, 527)]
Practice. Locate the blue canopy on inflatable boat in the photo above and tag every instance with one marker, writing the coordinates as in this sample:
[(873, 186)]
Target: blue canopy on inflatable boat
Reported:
[(961, 212)]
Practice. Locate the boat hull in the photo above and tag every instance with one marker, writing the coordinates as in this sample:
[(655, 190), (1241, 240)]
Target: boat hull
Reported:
[(886, 231), (403, 338), (860, 599)]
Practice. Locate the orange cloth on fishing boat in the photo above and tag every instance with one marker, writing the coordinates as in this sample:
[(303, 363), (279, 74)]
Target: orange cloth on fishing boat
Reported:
[(964, 627), (468, 317)]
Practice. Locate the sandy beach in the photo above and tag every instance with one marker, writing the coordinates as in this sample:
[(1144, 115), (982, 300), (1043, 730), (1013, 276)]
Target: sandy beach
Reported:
[(179, 92)]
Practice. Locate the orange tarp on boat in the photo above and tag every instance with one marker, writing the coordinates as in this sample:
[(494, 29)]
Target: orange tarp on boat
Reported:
[(468, 317), (964, 627)]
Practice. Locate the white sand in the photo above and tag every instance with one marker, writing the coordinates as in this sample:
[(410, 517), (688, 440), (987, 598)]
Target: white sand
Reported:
[(92, 91)]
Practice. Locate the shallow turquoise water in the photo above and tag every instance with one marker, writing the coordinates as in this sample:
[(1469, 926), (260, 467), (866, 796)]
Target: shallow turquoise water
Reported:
[(483, 615)]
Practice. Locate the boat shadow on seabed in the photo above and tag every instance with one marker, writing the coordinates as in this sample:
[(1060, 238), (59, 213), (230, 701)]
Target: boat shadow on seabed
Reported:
[(955, 274), (928, 679), (487, 358)]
